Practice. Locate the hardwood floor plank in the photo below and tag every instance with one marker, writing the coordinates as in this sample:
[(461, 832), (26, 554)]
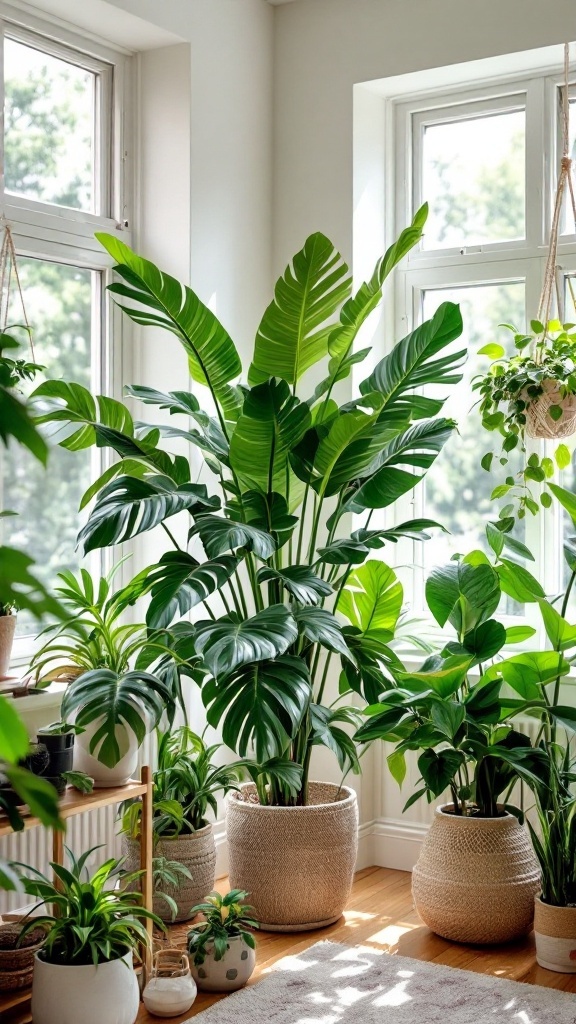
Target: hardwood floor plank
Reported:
[(381, 914)]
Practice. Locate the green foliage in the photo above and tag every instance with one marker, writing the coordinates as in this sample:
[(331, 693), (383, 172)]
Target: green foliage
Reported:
[(267, 546), (97, 651), (463, 728), (224, 917), (90, 922), (511, 386), (555, 839)]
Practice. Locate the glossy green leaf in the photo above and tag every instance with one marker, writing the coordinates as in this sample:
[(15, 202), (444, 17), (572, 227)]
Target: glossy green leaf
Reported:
[(219, 535), (230, 642), (518, 583), (179, 582), (372, 598), (300, 581), (463, 594), (293, 335), (322, 627), (559, 632), (271, 424)]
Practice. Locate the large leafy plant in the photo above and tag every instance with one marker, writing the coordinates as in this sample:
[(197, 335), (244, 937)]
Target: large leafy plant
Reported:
[(278, 583), (457, 710), (90, 923)]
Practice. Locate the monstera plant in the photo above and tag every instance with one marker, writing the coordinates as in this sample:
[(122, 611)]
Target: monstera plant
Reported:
[(278, 583)]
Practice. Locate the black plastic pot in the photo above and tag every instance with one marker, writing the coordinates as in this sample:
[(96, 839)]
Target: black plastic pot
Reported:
[(60, 746)]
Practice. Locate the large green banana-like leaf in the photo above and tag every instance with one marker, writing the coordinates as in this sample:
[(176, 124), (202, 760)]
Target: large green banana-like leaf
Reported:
[(463, 594), (411, 365), (212, 356), (372, 599), (211, 438), (128, 506), (262, 704), (293, 335), (107, 424), (179, 582), (353, 550), (218, 535), (300, 581), (135, 700), (358, 307), (230, 641), (271, 424), (418, 446), (268, 512), (352, 445)]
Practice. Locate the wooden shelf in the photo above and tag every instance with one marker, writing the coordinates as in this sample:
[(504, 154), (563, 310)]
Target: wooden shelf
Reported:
[(71, 803)]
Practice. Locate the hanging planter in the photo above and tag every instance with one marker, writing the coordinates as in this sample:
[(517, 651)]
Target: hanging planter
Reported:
[(533, 392)]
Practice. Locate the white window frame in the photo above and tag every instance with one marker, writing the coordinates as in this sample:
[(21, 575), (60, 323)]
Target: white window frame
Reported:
[(66, 236), (482, 264)]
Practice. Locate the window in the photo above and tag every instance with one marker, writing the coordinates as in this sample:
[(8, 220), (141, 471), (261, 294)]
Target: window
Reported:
[(63, 153), (486, 160)]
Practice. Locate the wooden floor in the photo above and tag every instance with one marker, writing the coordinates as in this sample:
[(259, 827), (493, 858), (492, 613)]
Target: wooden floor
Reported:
[(381, 914)]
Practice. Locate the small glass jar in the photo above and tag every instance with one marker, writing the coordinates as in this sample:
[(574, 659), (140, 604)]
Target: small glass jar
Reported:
[(171, 989)]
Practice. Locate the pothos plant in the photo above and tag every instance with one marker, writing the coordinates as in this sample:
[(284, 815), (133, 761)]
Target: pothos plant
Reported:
[(544, 360), (458, 709), (279, 584)]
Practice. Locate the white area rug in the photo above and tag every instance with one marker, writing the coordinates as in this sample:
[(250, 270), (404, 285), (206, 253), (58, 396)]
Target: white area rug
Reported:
[(333, 984)]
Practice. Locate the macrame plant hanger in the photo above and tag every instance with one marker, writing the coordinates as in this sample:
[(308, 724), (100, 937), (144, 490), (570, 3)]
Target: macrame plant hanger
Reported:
[(9, 277), (539, 423)]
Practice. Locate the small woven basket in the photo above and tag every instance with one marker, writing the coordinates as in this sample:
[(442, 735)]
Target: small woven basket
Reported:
[(17, 964), (539, 422)]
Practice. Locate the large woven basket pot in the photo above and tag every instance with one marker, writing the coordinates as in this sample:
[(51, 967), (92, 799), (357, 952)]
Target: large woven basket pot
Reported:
[(297, 863), (476, 878), (539, 422), (197, 852), (555, 932)]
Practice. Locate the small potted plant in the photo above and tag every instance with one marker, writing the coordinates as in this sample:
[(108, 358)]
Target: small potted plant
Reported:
[(58, 739), (222, 947), (186, 783), (530, 394), (7, 630), (111, 704), (84, 969)]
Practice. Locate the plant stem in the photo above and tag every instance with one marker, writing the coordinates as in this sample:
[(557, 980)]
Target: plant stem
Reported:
[(171, 535)]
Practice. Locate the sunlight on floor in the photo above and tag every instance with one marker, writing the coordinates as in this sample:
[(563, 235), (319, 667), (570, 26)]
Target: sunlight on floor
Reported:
[(390, 935)]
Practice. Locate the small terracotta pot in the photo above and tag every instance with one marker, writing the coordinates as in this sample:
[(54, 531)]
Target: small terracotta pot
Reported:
[(476, 878), (229, 973), (555, 932), (7, 630)]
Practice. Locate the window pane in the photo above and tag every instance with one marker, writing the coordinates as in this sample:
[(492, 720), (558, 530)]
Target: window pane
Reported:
[(457, 490), (568, 225), (49, 128), (59, 307), (473, 179)]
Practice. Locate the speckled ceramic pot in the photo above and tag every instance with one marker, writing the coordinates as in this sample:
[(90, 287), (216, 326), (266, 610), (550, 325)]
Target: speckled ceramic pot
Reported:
[(229, 973)]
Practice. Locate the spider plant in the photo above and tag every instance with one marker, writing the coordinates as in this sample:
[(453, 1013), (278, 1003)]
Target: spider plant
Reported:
[(91, 923)]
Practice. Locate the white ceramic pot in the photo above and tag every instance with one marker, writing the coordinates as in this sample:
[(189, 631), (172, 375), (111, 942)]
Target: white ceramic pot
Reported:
[(555, 933), (103, 776), (171, 989), (229, 973), (7, 630), (297, 863), (106, 994)]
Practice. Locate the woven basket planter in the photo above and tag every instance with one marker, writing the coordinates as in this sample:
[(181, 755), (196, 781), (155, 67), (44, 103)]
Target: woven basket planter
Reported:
[(555, 932), (17, 965), (476, 878), (539, 422), (197, 852), (297, 863)]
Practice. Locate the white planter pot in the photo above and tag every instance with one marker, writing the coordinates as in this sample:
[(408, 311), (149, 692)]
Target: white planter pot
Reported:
[(7, 629), (107, 994), (103, 776), (297, 863), (555, 933), (197, 852), (229, 973)]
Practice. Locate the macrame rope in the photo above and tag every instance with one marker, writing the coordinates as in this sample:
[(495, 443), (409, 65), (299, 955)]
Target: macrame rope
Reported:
[(9, 269), (565, 180)]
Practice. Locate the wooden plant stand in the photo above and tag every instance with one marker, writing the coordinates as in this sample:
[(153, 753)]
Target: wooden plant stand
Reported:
[(15, 1006)]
